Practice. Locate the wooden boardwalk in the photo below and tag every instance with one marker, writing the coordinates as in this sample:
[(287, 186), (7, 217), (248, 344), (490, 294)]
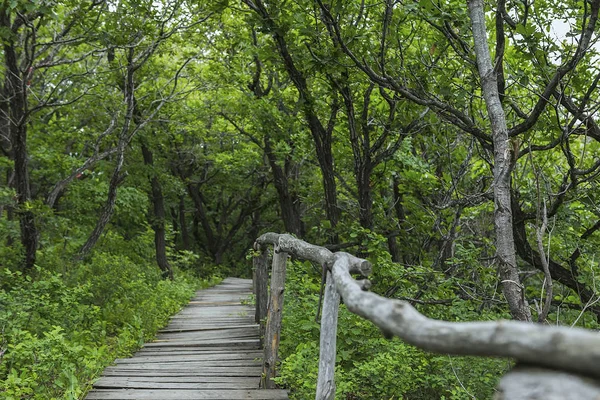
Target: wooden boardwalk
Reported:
[(210, 350)]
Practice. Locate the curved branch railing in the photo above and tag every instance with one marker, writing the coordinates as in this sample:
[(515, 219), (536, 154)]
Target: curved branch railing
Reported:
[(553, 362)]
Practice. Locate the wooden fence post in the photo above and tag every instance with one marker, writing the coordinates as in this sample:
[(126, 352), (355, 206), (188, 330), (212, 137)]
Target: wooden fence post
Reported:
[(274, 311), (327, 346), (261, 279)]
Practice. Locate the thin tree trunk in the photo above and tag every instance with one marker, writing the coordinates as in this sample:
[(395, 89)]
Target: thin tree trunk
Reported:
[(394, 249), (506, 258), (116, 178), (175, 222), (109, 206), (185, 236), (201, 218), (59, 188), (288, 203), (157, 219), (397, 255)]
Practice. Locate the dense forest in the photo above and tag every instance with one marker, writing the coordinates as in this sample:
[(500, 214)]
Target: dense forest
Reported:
[(145, 145)]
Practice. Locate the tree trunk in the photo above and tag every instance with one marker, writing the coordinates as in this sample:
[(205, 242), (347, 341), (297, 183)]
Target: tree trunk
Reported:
[(361, 151), (109, 206), (185, 236), (157, 219), (394, 249), (288, 202), (200, 217), (17, 104), (397, 255), (365, 195), (117, 177), (506, 258)]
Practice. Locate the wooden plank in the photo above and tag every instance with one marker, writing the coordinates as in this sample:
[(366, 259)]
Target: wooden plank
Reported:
[(228, 372), (185, 364), (159, 382), (167, 358), (252, 330), (206, 343), (170, 394), (207, 328), (108, 380), (145, 369), (192, 350)]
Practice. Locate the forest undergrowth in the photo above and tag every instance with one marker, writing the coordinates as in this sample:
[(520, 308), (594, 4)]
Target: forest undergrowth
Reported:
[(60, 329)]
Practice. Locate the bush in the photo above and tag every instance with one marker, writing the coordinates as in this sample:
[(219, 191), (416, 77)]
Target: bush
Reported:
[(369, 367), (57, 332)]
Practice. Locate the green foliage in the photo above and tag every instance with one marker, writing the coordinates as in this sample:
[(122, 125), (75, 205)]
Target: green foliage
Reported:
[(58, 332), (368, 366), (236, 116)]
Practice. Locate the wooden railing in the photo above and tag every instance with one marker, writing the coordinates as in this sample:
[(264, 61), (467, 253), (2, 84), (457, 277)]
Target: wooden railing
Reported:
[(553, 362)]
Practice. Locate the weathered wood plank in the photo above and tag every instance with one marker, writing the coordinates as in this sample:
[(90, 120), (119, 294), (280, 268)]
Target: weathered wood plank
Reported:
[(145, 369), (169, 394), (183, 373), (207, 334), (189, 350), (205, 343), (116, 380), (185, 364), (186, 328), (167, 358), (157, 382)]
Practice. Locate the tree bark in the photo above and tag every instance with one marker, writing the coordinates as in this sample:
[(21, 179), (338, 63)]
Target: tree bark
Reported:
[(360, 142), (288, 202), (109, 206), (201, 217), (506, 258), (157, 218), (185, 235), (16, 94)]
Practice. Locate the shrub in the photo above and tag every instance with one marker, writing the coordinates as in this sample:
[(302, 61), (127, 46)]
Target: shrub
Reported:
[(57, 333)]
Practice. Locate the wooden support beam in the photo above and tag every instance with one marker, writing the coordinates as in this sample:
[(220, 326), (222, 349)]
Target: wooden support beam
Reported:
[(327, 349), (261, 280), (274, 313)]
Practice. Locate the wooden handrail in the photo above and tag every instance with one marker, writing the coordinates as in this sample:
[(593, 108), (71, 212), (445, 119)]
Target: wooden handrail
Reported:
[(564, 362)]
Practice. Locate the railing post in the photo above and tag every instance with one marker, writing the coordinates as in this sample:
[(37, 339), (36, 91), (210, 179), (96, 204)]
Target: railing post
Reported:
[(327, 345), (261, 279), (274, 312)]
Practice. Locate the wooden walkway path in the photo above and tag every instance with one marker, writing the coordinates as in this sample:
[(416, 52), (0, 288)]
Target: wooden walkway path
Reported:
[(210, 350)]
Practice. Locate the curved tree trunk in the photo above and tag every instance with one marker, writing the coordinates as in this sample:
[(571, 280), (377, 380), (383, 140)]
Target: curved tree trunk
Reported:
[(157, 218), (117, 177), (109, 206)]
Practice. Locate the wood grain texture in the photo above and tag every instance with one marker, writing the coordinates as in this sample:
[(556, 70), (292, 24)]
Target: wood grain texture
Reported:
[(210, 350)]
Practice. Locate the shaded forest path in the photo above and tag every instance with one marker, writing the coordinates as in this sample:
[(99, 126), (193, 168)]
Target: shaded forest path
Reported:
[(210, 350)]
